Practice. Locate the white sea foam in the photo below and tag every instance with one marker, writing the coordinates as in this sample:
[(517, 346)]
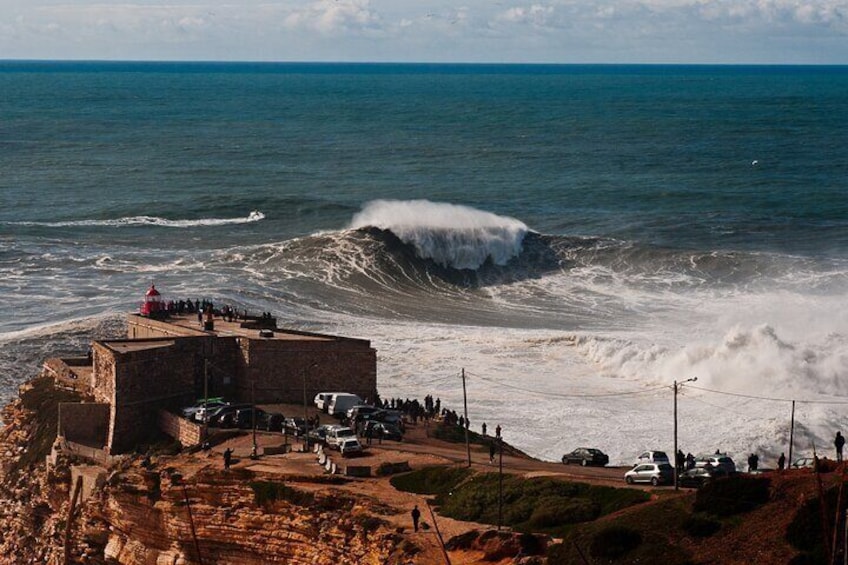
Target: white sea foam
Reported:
[(454, 236), (254, 216)]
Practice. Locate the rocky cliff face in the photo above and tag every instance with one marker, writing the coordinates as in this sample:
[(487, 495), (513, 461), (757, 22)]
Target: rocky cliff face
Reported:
[(173, 513)]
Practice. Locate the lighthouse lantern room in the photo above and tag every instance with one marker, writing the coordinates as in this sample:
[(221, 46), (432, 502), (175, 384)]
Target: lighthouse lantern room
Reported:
[(153, 305)]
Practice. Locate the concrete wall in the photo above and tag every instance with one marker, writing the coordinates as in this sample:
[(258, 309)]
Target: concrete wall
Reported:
[(85, 423)]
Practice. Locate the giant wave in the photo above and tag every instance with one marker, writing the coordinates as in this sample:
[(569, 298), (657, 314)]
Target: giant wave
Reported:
[(459, 237)]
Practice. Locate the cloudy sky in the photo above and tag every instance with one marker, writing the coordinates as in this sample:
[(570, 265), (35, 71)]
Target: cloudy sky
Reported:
[(547, 31)]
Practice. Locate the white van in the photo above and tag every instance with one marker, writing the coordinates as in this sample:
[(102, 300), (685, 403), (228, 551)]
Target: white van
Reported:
[(322, 400), (341, 402)]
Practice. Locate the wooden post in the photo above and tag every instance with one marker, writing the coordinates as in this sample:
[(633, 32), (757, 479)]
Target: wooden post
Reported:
[(69, 521)]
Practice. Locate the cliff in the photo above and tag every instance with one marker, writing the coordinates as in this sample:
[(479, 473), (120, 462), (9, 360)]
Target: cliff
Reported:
[(174, 509)]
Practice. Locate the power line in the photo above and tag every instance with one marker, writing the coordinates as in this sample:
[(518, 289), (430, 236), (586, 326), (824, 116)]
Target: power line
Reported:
[(769, 398), (565, 395)]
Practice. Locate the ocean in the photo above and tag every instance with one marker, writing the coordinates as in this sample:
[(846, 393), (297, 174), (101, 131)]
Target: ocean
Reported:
[(576, 238)]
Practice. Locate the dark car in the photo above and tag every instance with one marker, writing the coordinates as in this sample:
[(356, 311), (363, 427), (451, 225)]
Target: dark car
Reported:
[(224, 416), (319, 434), (699, 476), (586, 456), (271, 421), (245, 417), (296, 426), (383, 430)]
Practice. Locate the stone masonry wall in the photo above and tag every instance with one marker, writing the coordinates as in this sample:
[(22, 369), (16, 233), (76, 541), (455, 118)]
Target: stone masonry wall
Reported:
[(280, 368), (147, 380), (84, 422), (186, 432)]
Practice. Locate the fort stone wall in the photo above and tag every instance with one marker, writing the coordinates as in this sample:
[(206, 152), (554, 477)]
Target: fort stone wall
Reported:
[(281, 369), (86, 423)]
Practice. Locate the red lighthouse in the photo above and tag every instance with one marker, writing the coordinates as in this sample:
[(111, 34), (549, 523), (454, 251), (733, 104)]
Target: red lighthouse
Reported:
[(153, 306)]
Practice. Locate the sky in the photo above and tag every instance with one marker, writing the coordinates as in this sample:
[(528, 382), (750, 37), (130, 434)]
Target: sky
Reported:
[(474, 31)]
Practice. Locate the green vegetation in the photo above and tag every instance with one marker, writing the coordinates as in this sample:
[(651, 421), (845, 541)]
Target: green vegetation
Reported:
[(431, 480), (658, 525), (732, 495), (614, 541), (266, 492), (43, 399), (700, 526), (805, 531), (528, 505)]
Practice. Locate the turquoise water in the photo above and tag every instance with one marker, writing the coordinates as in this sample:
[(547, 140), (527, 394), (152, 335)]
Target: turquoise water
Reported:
[(653, 217)]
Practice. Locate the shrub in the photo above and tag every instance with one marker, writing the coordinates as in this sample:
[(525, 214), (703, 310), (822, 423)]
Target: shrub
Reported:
[(431, 480), (265, 492), (700, 526), (614, 541), (554, 512), (732, 495)]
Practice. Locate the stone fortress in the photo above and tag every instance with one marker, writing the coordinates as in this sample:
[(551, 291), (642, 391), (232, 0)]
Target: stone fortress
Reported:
[(135, 386)]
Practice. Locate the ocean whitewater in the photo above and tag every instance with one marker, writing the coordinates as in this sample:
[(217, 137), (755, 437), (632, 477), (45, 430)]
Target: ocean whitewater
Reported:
[(577, 238), (565, 341)]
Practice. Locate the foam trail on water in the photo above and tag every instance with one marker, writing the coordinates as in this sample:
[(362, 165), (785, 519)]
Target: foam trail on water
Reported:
[(454, 236), (254, 216)]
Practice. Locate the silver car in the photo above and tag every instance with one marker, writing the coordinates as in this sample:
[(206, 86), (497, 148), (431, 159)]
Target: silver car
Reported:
[(654, 473)]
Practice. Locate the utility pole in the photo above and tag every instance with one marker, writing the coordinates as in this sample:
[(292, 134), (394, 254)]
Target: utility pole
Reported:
[(791, 435), (254, 453), (205, 398), (500, 483), (465, 403), (305, 418), (676, 386)]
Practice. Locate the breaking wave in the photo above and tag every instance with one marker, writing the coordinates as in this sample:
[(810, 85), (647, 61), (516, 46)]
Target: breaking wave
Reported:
[(459, 237), (254, 216)]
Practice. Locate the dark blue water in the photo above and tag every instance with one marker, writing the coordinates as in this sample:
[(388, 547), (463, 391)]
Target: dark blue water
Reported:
[(563, 228)]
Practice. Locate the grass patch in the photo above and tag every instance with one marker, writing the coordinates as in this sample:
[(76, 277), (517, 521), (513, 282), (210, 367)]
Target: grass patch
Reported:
[(732, 495), (266, 493), (431, 480), (528, 505), (657, 525)]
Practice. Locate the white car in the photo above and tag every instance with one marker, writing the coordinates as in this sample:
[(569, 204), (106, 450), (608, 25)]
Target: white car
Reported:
[(652, 457), (654, 473), (721, 462), (350, 446), (337, 434)]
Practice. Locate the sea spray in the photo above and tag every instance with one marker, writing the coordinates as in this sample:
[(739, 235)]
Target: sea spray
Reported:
[(453, 236)]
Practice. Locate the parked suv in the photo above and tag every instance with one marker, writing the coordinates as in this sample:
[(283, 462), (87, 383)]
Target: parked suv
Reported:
[(337, 434), (720, 461), (349, 446), (652, 457), (654, 473)]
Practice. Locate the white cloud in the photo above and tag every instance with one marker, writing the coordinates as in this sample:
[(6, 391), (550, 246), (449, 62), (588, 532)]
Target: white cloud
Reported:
[(434, 30)]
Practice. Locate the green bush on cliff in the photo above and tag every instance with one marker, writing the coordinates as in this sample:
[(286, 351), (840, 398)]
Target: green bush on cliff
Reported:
[(732, 495), (431, 480), (266, 492), (536, 504)]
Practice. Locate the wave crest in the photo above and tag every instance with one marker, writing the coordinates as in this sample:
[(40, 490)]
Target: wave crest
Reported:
[(451, 235), (254, 216)]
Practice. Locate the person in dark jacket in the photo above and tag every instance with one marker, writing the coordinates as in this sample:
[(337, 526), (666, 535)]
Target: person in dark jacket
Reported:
[(416, 515)]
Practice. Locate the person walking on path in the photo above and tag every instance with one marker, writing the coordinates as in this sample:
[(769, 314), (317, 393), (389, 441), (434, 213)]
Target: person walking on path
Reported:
[(492, 453), (781, 462), (839, 442), (416, 515), (228, 457)]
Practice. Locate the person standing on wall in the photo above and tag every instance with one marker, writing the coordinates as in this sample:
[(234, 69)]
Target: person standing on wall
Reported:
[(839, 442)]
